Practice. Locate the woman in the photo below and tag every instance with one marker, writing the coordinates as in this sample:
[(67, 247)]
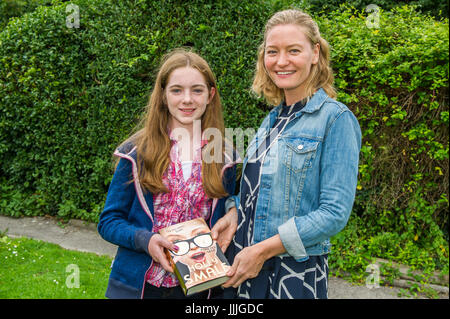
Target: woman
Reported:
[(300, 170), (165, 176)]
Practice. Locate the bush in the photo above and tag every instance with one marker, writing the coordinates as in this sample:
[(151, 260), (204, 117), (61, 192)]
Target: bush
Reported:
[(16, 8), (68, 96), (395, 79), (438, 9)]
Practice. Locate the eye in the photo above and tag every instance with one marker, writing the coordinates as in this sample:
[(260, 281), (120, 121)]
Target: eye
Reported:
[(175, 91), (271, 52), (294, 51), (198, 91)]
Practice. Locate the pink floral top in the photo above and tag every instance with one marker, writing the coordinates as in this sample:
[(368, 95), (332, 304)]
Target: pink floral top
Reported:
[(185, 200)]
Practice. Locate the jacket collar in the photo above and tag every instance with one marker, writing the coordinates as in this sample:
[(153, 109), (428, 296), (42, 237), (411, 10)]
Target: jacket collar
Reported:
[(313, 105), (316, 102)]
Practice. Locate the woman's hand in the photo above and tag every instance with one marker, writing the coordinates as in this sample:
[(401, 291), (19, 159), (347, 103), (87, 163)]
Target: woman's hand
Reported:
[(249, 261), (247, 264), (156, 247), (225, 228)]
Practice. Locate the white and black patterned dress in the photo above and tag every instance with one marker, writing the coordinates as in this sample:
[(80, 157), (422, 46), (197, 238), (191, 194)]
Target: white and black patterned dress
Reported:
[(281, 277)]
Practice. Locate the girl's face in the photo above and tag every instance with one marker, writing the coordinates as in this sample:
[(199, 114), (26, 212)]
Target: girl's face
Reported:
[(187, 95), (288, 58)]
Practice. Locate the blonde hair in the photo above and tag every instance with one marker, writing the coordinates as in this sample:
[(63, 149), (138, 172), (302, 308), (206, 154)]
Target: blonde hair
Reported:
[(321, 74), (152, 141)]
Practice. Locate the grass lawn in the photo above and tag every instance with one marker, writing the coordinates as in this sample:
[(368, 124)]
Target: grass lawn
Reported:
[(39, 270)]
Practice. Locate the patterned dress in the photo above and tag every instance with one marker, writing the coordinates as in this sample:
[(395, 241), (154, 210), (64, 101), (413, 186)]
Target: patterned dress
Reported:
[(281, 277)]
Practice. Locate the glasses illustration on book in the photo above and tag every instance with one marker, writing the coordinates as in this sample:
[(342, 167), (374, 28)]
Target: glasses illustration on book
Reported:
[(184, 246)]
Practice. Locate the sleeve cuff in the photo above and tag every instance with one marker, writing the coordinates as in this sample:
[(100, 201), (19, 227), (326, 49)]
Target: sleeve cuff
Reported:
[(236, 200), (291, 240), (141, 240), (229, 203)]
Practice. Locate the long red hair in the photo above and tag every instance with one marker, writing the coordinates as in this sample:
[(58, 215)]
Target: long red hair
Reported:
[(152, 140)]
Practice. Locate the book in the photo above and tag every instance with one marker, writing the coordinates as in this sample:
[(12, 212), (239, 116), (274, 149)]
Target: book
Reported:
[(199, 263)]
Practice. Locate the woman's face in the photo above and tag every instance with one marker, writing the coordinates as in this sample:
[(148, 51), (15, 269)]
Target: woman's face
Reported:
[(288, 58), (187, 95)]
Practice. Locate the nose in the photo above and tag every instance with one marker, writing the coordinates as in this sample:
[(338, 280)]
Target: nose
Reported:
[(192, 246), (187, 97), (283, 59)]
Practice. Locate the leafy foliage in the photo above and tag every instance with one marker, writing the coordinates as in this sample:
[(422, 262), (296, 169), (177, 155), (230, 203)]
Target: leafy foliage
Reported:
[(438, 9), (395, 79), (70, 95), (16, 8)]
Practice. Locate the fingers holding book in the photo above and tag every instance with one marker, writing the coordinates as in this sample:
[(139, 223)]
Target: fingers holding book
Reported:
[(156, 249), (225, 228)]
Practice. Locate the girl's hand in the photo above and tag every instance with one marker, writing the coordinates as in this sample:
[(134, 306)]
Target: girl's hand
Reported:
[(225, 228), (156, 247)]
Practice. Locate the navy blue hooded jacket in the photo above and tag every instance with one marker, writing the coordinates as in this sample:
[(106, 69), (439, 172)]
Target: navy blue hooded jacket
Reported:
[(127, 221)]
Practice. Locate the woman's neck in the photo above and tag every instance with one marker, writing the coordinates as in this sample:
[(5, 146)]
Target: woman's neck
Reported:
[(293, 98), (294, 95)]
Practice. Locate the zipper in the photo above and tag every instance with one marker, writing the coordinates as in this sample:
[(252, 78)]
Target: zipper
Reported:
[(145, 280)]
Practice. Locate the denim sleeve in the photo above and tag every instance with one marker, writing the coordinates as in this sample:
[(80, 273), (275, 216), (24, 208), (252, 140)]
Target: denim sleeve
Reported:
[(237, 199), (114, 225), (229, 204), (232, 201), (338, 180)]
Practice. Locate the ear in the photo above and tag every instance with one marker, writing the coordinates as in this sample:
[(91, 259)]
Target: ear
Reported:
[(211, 94), (316, 53)]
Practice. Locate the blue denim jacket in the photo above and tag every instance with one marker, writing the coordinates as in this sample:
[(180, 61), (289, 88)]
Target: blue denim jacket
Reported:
[(308, 178)]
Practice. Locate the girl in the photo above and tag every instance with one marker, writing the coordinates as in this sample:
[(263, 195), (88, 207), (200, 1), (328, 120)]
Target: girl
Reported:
[(300, 171), (165, 176)]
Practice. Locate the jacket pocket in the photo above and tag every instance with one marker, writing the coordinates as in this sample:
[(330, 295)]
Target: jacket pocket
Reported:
[(299, 153)]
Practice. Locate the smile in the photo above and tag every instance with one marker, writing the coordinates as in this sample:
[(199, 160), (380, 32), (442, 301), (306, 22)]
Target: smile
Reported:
[(187, 111), (284, 72)]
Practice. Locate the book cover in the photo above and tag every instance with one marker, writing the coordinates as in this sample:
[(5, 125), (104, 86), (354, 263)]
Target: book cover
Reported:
[(199, 263)]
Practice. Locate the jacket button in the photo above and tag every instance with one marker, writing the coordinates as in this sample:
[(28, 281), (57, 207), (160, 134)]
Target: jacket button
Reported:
[(300, 147)]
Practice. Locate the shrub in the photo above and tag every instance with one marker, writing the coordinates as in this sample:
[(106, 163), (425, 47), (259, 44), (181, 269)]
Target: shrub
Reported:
[(438, 9), (68, 96), (16, 8), (395, 79)]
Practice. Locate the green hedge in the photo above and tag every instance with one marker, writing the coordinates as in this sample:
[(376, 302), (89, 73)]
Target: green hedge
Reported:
[(16, 8), (69, 96), (438, 9), (395, 79)]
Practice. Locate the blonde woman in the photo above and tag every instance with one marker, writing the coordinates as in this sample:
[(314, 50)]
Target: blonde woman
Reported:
[(165, 176), (299, 173)]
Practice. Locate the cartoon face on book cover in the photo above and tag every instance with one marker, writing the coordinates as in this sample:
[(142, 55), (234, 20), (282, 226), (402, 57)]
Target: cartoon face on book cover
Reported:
[(199, 258)]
